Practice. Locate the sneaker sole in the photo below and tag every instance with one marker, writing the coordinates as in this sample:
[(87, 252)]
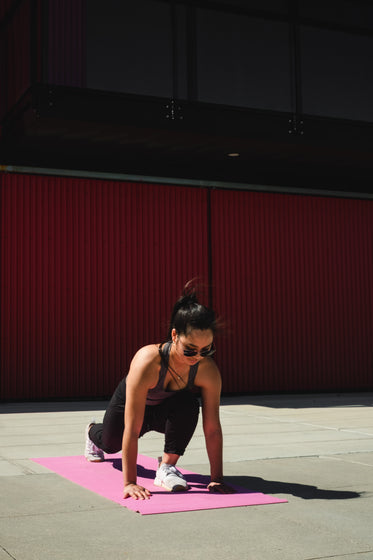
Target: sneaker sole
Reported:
[(177, 488), (95, 460)]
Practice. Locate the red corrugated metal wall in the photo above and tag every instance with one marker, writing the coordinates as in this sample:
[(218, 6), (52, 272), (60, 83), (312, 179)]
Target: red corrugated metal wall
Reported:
[(89, 272), (293, 275)]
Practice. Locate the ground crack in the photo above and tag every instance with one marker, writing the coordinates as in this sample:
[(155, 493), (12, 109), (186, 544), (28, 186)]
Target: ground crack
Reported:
[(350, 554), (8, 553)]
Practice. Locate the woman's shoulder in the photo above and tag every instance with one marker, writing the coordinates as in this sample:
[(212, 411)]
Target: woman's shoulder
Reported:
[(145, 365), (147, 355), (207, 371)]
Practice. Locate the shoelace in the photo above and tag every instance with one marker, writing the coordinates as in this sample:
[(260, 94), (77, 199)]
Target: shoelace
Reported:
[(173, 469)]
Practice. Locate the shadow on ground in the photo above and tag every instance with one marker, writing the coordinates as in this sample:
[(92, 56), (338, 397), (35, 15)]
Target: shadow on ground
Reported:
[(257, 484), (276, 401)]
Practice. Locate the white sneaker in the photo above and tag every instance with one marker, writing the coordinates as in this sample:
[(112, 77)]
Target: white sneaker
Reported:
[(170, 478), (92, 452)]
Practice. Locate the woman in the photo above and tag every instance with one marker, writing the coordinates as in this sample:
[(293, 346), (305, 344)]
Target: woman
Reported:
[(157, 394)]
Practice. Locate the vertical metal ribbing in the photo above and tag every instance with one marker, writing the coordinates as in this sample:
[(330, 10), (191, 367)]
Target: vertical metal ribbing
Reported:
[(294, 277), (90, 270)]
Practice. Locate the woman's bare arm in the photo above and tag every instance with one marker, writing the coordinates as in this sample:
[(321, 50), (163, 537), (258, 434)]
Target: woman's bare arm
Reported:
[(141, 377)]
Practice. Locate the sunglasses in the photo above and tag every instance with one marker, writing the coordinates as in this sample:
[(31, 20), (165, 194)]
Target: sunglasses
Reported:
[(189, 353)]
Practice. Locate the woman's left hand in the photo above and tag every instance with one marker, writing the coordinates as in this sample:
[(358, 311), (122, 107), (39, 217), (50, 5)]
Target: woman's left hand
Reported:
[(220, 488)]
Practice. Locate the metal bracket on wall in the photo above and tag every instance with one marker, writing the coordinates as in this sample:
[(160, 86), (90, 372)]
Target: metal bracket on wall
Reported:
[(296, 126), (173, 110), (51, 100)]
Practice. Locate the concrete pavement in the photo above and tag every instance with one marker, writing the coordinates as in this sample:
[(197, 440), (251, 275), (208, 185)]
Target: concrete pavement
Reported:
[(316, 451)]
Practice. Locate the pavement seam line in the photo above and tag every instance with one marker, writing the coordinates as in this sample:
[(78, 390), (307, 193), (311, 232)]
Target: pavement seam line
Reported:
[(8, 553), (288, 421), (67, 511), (336, 458), (349, 554)]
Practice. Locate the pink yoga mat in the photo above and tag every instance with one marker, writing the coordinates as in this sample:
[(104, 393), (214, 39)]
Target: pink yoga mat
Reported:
[(105, 479)]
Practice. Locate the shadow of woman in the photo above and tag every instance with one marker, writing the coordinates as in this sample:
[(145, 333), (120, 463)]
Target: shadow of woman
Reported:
[(141, 471), (305, 491), (194, 479), (256, 484)]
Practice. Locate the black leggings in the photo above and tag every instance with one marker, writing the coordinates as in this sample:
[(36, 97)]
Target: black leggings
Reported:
[(176, 417)]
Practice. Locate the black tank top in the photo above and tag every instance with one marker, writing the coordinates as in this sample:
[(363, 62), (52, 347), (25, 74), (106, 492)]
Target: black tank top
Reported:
[(158, 394)]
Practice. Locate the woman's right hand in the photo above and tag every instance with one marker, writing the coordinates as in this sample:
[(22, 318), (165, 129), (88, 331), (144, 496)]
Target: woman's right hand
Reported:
[(136, 492)]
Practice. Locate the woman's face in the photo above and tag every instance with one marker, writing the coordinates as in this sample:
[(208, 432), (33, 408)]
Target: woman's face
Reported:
[(195, 340)]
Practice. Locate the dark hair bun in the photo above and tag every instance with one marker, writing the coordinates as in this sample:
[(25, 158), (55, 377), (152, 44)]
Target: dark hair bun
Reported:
[(189, 314)]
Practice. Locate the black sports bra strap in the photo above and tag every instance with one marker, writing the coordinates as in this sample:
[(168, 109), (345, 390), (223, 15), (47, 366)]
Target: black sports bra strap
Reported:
[(164, 352)]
